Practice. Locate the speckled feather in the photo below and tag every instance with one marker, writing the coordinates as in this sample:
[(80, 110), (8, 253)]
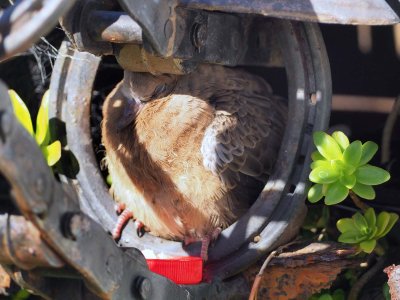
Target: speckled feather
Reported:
[(195, 151)]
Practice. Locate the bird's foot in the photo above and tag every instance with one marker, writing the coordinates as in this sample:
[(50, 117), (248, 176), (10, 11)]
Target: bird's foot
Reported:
[(205, 242), (124, 216)]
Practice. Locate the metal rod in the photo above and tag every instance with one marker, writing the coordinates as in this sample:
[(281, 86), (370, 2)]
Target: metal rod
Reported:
[(114, 27)]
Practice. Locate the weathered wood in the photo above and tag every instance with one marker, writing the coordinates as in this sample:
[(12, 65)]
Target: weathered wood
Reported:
[(302, 270)]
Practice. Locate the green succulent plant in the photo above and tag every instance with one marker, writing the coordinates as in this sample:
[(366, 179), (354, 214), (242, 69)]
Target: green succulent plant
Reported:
[(340, 166), (51, 152), (366, 229), (336, 295)]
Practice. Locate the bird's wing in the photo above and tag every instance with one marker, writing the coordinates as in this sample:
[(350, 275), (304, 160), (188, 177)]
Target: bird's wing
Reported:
[(245, 135)]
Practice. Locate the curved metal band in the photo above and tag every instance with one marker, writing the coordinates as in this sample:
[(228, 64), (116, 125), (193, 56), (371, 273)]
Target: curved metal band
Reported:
[(276, 215), (24, 23)]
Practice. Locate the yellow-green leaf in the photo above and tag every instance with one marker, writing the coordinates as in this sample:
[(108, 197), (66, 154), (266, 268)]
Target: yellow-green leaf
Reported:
[(345, 224), (368, 151), (352, 154), (315, 193), (392, 220), (348, 181), (368, 246), (371, 175), (336, 193), (341, 139), (381, 222), (316, 156), (370, 217), (52, 153), (364, 191), (327, 145), (21, 111), (42, 122), (324, 175), (351, 237)]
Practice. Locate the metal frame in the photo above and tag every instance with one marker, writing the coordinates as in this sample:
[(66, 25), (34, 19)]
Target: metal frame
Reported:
[(276, 215), (23, 23)]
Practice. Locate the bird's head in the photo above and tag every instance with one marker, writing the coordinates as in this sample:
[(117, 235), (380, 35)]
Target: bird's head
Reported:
[(144, 87)]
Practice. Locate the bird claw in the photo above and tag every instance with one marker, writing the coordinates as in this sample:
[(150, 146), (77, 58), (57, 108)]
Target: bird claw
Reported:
[(124, 216), (140, 230), (205, 242)]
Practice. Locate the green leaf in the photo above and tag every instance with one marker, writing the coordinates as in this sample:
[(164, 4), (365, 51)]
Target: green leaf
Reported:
[(327, 145), (381, 222), (386, 291), (348, 181), (364, 191), (42, 122), (371, 175), (345, 224), (324, 175), (338, 295), (368, 246), (352, 154), (341, 139), (315, 193), (351, 237), (325, 297), (370, 217), (336, 193), (368, 151), (360, 222), (316, 156), (320, 163), (52, 153), (21, 111), (392, 220)]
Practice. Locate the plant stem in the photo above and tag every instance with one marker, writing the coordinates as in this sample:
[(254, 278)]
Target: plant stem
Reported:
[(361, 205)]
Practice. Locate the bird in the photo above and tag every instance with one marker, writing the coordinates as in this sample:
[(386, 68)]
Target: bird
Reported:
[(189, 154)]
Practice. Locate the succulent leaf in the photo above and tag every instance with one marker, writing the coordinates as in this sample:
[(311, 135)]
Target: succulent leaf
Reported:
[(364, 191), (352, 154), (21, 111), (336, 193), (368, 151), (327, 145), (341, 139), (315, 193), (371, 175)]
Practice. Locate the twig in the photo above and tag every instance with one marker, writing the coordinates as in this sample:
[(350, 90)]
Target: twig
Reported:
[(360, 283), (387, 131), (257, 280), (361, 205)]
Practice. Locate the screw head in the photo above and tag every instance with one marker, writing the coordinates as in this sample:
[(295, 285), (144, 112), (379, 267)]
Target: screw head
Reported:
[(199, 35), (143, 287)]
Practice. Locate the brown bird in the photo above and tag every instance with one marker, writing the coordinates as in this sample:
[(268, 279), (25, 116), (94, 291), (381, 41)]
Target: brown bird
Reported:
[(189, 154)]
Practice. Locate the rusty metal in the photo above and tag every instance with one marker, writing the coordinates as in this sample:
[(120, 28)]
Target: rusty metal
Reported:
[(114, 27), (22, 246), (107, 270), (136, 59), (26, 21), (276, 215), (367, 12)]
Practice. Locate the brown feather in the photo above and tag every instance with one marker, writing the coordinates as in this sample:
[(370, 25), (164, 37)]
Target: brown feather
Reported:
[(190, 159)]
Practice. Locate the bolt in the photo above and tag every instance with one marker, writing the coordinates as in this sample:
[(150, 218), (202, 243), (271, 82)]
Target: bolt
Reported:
[(199, 35), (143, 287), (75, 225)]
